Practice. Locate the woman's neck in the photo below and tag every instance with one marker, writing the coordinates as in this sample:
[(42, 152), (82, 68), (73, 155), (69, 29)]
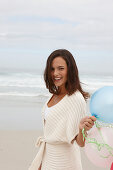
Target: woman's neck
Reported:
[(63, 91)]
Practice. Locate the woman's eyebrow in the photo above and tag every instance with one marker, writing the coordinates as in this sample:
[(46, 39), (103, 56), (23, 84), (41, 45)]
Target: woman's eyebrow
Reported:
[(60, 66)]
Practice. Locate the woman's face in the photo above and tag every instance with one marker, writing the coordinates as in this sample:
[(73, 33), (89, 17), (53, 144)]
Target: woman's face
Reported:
[(59, 72)]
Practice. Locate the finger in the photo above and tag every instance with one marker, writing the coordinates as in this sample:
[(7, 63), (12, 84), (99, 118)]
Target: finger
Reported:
[(84, 119), (88, 125), (93, 118), (89, 121)]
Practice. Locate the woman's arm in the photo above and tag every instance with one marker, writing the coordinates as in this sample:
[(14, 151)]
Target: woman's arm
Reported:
[(40, 167), (86, 123)]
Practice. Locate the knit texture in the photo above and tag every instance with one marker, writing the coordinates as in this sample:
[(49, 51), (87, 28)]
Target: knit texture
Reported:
[(56, 152)]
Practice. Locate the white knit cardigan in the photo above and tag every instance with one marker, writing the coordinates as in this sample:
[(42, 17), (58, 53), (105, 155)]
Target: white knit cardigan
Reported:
[(56, 152)]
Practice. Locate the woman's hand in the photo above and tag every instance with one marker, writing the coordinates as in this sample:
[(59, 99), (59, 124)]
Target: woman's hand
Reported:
[(87, 123)]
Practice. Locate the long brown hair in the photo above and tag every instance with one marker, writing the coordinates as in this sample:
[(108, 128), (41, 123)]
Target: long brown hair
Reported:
[(73, 83)]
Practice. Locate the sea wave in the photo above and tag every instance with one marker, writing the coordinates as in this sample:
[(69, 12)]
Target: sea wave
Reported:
[(32, 84), (24, 94)]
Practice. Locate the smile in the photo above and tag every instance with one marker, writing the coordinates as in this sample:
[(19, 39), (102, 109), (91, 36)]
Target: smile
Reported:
[(57, 79)]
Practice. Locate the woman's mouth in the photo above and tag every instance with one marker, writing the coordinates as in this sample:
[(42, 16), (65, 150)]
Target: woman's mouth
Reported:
[(57, 79)]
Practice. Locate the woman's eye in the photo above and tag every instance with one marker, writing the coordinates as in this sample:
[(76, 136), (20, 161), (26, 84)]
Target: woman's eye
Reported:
[(61, 68)]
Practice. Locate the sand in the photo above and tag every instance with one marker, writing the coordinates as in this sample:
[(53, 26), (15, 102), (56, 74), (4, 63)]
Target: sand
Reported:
[(17, 150)]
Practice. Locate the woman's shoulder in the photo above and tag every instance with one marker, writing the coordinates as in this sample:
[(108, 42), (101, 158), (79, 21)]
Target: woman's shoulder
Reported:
[(76, 99), (76, 102), (76, 96)]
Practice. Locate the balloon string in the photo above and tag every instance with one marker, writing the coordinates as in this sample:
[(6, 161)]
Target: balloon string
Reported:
[(84, 136), (100, 133), (99, 145), (102, 124)]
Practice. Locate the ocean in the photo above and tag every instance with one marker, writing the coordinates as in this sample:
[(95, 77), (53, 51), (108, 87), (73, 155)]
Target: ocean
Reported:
[(22, 95), (32, 84)]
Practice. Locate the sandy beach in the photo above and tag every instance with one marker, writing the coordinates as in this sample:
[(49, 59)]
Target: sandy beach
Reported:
[(17, 150)]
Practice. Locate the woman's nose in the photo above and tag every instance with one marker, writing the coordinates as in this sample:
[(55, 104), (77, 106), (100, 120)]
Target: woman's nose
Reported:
[(56, 72)]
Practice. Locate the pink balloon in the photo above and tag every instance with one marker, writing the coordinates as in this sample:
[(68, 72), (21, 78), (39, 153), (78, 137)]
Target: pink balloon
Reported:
[(107, 134), (96, 154), (111, 167)]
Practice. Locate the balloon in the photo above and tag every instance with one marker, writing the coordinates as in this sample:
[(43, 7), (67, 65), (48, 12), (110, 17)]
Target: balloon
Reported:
[(101, 104), (111, 167), (97, 146), (107, 135)]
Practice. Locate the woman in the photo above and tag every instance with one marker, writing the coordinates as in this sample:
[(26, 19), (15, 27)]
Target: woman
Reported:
[(64, 116)]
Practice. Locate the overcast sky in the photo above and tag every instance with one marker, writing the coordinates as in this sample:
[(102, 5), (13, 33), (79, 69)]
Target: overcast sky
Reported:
[(31, 29)]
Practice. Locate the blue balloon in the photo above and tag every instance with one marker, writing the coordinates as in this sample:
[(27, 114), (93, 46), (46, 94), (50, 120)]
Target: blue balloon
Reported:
[(101, 104)]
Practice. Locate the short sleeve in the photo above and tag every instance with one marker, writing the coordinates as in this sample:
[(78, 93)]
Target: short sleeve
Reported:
[(76, 111)]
